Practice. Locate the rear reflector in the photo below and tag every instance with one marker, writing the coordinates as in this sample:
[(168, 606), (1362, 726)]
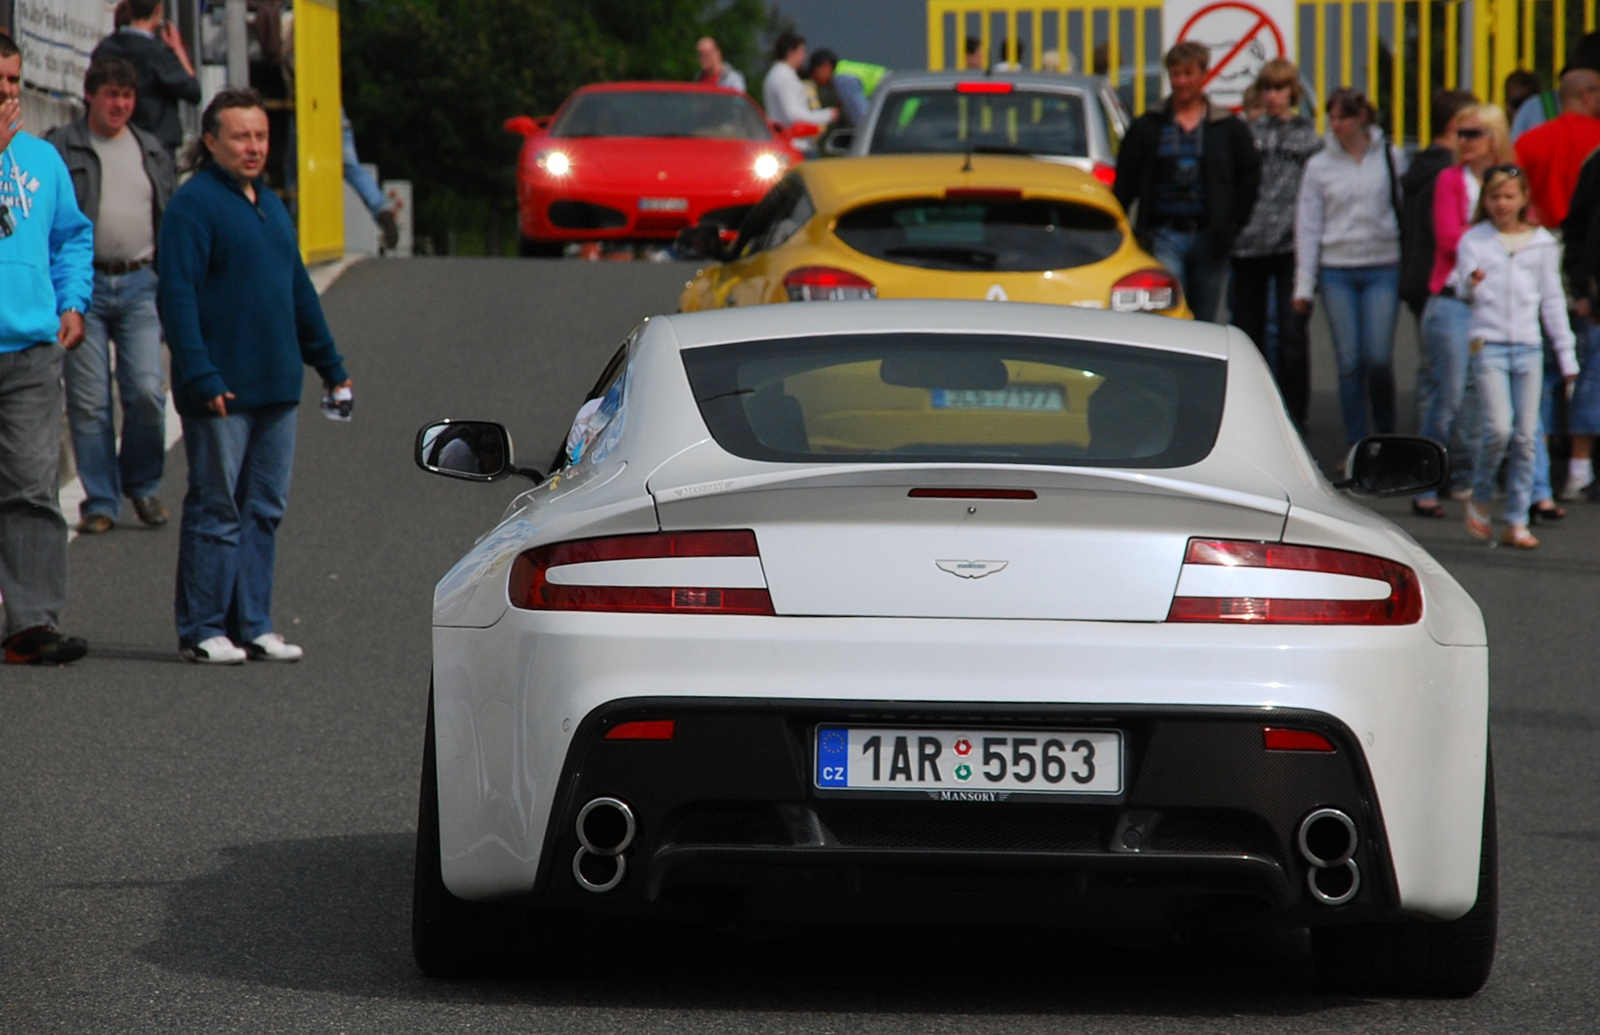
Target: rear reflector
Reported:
[(981, 194), (973, 494), (983, 86), (1275, 739), (531, 588), (645, 729), (1338, 588), (826, 284)]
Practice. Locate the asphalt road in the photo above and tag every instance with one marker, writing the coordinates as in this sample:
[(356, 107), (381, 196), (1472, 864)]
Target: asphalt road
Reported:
[(216, 850)]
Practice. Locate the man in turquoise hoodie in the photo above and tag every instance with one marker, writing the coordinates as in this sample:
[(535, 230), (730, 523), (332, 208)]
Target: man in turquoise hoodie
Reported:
[(46, 280), (241, 317)]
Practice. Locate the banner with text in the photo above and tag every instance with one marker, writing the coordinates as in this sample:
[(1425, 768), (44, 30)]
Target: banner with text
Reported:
[(57, 37)]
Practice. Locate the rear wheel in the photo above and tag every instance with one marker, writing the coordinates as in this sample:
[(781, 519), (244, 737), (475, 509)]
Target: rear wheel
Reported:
[(528, 248), (1438, 958), (450, 937)]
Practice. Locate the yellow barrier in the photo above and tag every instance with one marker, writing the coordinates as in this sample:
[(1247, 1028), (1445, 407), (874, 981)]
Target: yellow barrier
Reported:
[(320, 186), (1473, 44)]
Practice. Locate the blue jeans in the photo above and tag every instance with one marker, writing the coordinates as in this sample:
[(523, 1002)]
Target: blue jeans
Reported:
[(1452, 414), (239, 468), (1583, 414), (1509, 380), (356, 175), (1199, 267), (33, 536), (1363, 302), (124, 311)]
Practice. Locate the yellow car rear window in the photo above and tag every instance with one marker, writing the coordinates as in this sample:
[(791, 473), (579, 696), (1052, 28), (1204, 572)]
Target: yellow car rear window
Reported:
[(996, 235), (967, 399)]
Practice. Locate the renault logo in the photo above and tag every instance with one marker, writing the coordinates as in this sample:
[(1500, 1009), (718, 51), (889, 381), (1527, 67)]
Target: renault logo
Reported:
[(971, 569)]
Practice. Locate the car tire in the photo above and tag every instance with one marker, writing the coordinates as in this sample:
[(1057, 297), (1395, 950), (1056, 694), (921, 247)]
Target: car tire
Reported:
[(1450, 958), (450, 937), (528, 248)]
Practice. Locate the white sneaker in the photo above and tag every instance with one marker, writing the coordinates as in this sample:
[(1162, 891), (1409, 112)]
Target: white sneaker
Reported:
[(1576, 489), (271, 647), (219, 650)]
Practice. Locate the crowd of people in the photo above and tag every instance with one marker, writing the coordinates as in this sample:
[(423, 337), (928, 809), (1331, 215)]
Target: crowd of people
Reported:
[(1490, 236), (105, 256)]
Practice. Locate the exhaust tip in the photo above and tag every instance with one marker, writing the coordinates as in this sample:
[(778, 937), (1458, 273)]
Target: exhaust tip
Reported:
[(1334, 885), (598, 873), (606, 826), (1328, 838)]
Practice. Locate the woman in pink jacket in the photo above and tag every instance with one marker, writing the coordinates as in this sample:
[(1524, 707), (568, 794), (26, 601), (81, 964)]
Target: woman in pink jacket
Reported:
[(1482, 140)]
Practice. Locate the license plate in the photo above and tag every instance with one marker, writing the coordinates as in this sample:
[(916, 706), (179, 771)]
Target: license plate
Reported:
[(1038, 398), (969, 765), (663, 204)]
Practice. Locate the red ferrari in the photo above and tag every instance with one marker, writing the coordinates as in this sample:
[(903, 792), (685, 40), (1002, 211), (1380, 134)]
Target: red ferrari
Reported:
[(640, 161)]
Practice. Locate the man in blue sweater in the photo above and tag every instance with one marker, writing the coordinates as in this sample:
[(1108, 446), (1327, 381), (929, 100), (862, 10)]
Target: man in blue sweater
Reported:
[(46, 247), (241, 316)]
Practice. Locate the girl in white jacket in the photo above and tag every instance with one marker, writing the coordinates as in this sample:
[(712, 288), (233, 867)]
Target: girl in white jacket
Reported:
[(1509, 270)]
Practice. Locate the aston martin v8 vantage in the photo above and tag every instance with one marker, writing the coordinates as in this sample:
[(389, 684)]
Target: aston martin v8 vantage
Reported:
[(955, 612)]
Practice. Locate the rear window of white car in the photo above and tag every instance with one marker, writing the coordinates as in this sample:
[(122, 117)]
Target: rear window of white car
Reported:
[(940, 119), (994, 234), (872, 398)]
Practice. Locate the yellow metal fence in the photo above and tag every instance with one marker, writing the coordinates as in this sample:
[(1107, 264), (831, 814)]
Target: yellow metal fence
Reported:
[(1398, 51)]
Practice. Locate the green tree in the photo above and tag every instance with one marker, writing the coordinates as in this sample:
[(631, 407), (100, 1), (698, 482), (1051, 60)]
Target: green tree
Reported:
[(429, 83)]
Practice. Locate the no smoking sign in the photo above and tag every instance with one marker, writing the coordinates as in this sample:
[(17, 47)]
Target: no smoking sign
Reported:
[(1242, 35)]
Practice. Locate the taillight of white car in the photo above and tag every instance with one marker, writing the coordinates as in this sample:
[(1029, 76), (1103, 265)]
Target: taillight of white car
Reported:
[(1147, 291), (826, 284), (665, 573), (1273, 583)]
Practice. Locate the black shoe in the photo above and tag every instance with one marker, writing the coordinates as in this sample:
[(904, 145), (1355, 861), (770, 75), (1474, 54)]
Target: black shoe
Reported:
[(44, 645), (150, 510), (389, 229)]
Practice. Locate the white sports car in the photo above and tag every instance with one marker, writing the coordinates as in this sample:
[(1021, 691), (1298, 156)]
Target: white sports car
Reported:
[(955, 611)]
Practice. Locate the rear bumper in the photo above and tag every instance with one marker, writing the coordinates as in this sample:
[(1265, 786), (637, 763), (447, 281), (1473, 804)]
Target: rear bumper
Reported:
[(519, 707), (730, 824)]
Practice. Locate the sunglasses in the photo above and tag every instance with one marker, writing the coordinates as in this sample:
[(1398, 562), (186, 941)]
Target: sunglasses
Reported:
[(1471, 133), (8, 223), (1511, 172)]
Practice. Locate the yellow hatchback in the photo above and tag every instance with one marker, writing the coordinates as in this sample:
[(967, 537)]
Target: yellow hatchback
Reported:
[(978, 226)]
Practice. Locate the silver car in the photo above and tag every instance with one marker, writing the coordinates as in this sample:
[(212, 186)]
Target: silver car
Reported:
[(1074, 119)]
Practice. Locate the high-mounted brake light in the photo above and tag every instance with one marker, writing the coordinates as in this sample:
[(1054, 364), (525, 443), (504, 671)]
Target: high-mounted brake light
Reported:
[(643, 729), (1146, 291), (595, 575), (982, 194), (1276, 738), (983, 86), (826, 284), (1274, 583), (973, 494)]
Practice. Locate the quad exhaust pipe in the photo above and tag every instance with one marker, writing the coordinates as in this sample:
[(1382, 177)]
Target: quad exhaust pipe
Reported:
[(606, 827), (1327, 839)]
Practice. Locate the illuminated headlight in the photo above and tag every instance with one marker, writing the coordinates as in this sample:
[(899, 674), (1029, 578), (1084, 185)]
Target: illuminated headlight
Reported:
[(768, 166), (556, 163)]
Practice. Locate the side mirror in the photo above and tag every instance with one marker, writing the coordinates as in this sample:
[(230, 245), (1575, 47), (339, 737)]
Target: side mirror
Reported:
[(525, 126), (839, 141), (475, 450), (1395, 465), (798, 130), (701, 241)]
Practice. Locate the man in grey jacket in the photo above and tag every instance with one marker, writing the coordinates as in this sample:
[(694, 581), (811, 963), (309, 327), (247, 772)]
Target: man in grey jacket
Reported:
[(122, 177)]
